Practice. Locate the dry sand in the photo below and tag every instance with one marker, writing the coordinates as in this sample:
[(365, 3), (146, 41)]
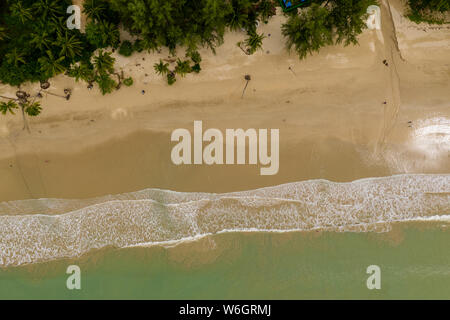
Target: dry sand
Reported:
[(329, 109)]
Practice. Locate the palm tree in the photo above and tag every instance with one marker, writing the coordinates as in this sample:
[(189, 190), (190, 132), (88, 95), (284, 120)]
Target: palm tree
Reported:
[(183, 67), (41, 40), (94, 9), (50, 66), (308, 31), (161, 67), (9, 106), (110, 33), (15, 57), (32, 108), (239, 15), (254, 42), (18, 10), (57, 24), (247, 78), (104, 63), (82, 71), (105, 83), (3, 35), (70, 46), (46, 8)]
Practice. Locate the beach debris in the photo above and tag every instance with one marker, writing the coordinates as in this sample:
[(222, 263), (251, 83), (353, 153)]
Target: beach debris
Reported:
[(143, 91), (247, 78), (385, 102), (45, 85), (385, 63), (21, 94)]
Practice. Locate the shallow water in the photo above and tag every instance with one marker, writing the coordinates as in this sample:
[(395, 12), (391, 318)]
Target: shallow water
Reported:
[(49, 229), (310, 239), (413, 257)]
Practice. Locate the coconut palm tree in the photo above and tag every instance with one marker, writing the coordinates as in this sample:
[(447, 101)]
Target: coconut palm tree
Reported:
[(110, 34), (183, 67), (254, 42), (104, 63), (3, 35), (18, 10), (105, 83), (51, 66), (57, 24), (9, 106), (32, 108), (70, 45), (161, 68), (247, 78), (40, 40), (82, 71), (14, 57), (239, 14), (46, 8), (94, 9)]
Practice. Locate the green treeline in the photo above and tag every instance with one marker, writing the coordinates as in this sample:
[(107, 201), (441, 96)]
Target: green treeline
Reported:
[(36, 45), (431, 11)]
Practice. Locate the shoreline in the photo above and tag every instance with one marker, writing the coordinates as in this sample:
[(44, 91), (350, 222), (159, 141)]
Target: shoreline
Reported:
[(329, 109)]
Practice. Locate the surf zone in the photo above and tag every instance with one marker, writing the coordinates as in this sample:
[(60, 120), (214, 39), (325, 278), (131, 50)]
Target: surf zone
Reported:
[(235, 147)]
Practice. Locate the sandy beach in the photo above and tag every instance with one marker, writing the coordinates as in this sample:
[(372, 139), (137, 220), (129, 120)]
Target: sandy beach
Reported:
[(329, 108)]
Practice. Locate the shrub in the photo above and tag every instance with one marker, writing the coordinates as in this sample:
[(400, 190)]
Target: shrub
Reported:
[(126, 48)]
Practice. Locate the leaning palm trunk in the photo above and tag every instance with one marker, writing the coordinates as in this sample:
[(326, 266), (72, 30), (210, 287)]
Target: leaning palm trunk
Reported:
[(25, 122), (247, 78), (56, 95)]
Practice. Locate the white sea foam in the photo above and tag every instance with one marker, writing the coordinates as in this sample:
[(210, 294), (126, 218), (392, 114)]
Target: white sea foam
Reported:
[(46, 229)]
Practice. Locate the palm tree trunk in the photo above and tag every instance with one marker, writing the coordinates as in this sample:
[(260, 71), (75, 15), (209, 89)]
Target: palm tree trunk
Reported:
[(8, 98), (54, 94), (243, 91), (25, 122)]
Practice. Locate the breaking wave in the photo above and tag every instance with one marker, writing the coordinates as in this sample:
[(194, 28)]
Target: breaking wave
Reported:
[(47, 229)]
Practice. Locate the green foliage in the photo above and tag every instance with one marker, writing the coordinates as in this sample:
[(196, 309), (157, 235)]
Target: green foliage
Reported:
[(161, 67), (69, 44), (32, 109), (9, 106), (196, 68), (51, 66), (194, 55), (105, 83), (325, 23), (128, 82), (348, 19), (430, 11), (308, 31), (103, 62), (102, 34), (83, 71), (171, 78), (254, 42), (126, 48), (183, 67)]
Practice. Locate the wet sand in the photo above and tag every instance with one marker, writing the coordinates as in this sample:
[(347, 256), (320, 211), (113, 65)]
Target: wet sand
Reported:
[(329, 108)]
